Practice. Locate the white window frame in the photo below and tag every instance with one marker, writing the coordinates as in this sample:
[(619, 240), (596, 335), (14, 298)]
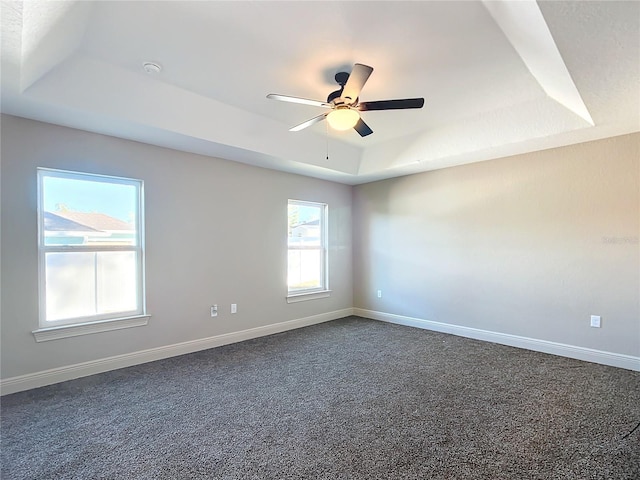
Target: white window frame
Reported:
[(323, 291), (54, 329)]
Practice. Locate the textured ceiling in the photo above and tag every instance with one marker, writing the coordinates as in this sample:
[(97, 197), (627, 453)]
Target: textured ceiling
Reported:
[(498, 77)]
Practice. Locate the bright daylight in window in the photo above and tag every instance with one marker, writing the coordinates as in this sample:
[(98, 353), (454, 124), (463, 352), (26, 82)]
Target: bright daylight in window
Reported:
[(90, 247), (307, 263)]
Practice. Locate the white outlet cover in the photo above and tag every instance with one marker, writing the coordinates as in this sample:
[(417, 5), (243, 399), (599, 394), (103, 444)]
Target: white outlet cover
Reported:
[(595, 321)]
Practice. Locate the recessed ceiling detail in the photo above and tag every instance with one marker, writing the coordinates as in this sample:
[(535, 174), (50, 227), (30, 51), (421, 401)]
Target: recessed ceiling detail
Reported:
[(524, 26), (498, 77)]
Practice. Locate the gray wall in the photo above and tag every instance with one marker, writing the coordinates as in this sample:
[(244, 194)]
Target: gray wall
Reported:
[(215, 233), (530, 245)]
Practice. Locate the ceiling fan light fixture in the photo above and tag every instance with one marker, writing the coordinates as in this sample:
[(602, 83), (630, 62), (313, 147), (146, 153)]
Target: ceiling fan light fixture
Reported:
[(343, 118)]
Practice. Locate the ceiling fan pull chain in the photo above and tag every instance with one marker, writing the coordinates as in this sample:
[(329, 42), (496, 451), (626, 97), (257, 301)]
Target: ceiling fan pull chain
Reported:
[(327, 134)]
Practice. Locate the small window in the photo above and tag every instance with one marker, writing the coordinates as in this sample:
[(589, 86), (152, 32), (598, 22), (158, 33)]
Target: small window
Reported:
[(90, 247), (307, 262)]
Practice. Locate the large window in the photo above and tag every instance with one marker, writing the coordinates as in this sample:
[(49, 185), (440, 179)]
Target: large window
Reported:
[(307, 266), (90, 248)]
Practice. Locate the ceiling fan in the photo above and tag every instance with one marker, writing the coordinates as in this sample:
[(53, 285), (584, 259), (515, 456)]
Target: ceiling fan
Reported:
[(345, 105)]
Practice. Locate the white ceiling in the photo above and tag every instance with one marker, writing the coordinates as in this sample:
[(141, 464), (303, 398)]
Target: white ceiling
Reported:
[(498, 77)]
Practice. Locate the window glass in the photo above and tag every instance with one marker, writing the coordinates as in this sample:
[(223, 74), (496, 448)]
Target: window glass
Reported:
[(82, 212)]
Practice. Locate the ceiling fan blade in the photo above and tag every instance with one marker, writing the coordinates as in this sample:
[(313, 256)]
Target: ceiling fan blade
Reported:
[(391, 104), (362, 128), (304, 101), (357, 78), (308, 123)]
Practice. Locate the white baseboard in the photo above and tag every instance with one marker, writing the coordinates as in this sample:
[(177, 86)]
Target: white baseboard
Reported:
[(628, 362), (62, 374)]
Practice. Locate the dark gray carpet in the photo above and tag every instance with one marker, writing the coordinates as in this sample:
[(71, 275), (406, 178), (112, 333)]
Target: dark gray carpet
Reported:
[(349, 399)]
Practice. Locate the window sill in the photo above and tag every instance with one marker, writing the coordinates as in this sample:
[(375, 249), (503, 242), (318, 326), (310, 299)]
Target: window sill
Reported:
[(65, 331), (303, 297)]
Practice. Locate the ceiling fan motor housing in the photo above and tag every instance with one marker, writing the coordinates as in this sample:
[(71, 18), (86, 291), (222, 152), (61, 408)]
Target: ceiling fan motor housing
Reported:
[(334, 96), (341, 78)]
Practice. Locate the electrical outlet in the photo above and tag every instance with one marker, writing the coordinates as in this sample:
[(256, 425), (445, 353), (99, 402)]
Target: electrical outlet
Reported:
[(595, 321), (379, 293), (214, 310), (234, 308)]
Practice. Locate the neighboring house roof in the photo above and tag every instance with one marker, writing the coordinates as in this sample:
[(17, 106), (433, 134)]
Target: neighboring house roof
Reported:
[(97, 221), (57, 223), (310, 223)]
